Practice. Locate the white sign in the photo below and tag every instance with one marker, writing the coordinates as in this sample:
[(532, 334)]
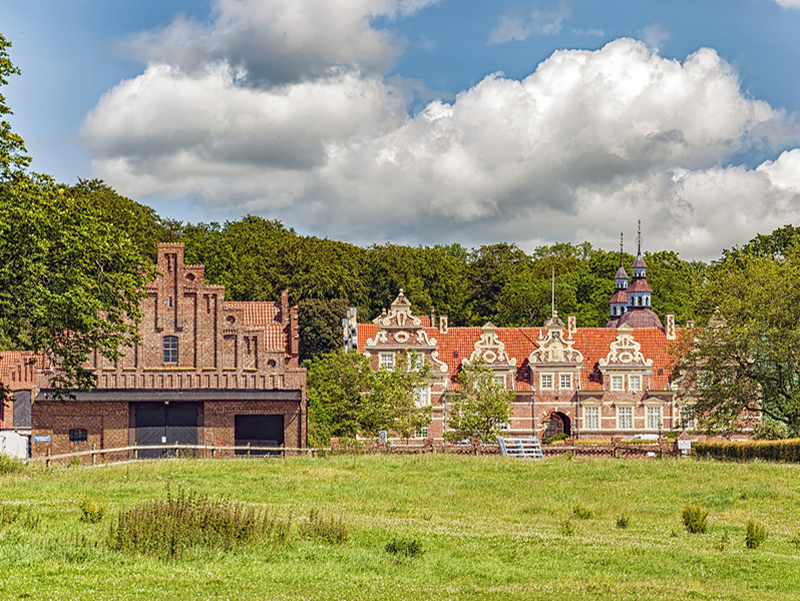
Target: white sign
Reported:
[(383, 436), (684, 445)]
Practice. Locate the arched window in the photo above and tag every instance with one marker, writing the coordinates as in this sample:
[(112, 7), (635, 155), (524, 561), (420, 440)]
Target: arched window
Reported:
[(170, 349)]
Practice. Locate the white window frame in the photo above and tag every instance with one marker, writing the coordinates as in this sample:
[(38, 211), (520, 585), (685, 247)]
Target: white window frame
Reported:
[(634, 383), (548, 378), (386, 361), (499, 381), (617, 383), (421, 432), (653, 417), (591, 417), (686, 413), (625, 417), (565, 378), (422, 397)]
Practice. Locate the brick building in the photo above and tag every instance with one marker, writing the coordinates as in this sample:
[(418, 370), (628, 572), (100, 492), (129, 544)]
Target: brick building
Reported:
[(207, 371), (586, 382)]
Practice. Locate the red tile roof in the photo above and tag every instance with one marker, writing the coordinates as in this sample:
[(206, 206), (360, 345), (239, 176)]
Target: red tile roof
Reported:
[(262, 314), (594, 344)]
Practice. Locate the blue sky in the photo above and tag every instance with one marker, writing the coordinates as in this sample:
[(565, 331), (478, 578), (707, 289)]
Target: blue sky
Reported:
[(424, 121)]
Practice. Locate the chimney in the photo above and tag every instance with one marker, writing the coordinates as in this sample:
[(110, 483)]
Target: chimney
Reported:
[(669, 326), (572, 325), (443, 324)]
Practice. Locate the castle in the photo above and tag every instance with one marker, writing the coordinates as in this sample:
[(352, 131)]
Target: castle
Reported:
[(584, 382)]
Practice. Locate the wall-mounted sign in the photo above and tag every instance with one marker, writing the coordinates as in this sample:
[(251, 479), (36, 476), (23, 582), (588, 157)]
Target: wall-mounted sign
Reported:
[(41, 438), (684, 445)]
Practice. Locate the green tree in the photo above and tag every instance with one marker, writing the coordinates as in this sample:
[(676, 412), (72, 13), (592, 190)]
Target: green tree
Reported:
[(746, 360), (70, 282), (320, 324), (347, 397), (481, 406)]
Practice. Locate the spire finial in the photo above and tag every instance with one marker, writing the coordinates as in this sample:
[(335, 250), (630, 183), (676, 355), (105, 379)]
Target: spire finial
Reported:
[(553, 292), (640, 238), (620, 249)]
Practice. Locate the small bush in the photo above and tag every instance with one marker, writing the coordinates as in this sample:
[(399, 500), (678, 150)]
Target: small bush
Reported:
[(329, 529), (795, 540), (92, 510), (581, 512), (723, 541), (556, 437), (567, 527), (186, 520), (623, 521), (10, 514), (74, 461), (11, 465), (756, 534), (404, 547), (695, 518)]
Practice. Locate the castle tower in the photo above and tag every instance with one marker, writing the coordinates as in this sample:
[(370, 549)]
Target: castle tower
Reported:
[(638, 313), (619, 301)]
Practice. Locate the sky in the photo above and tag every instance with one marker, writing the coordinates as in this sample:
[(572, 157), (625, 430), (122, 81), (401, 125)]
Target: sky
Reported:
[(425, 121)]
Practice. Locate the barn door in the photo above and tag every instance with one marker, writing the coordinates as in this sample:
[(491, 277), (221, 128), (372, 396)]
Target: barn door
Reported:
[(258, 431), (159, 424)]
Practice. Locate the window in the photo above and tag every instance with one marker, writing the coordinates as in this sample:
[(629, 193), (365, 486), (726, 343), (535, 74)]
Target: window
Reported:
[(625, 417), (591, 418), (78, 435), (499, 382), (687, 418), (635, 382), (415, 361), (423, 397), (653, 415), (616, 382), (170, 349), (421, 433), (547, 381), (565, 381), (387, 361)]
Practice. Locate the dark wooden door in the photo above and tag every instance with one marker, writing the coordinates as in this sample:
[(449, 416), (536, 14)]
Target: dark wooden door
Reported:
[(159, 424), (258, 431)]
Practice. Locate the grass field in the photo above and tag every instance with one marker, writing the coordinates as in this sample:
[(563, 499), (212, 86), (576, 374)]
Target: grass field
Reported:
[(418, 527)]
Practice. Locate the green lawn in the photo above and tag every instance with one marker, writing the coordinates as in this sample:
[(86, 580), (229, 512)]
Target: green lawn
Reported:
[(490, 528)]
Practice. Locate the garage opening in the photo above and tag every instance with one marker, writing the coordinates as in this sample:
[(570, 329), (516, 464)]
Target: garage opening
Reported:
[(160, 424), (258, 431)]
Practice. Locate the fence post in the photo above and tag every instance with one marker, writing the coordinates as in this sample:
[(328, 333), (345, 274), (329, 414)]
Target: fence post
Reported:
[(47, 461), (135, 452), (248, 450), (175, 453), (94, 453)]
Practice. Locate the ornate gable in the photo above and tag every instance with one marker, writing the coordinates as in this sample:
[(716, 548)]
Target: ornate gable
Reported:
[(399, 314), (491, 348), (554, 348), (624, 352)]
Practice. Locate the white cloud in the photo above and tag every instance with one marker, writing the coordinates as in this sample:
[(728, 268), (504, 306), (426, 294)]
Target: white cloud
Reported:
[(655, 35), (515, 25), (275, 41), (579, 149), (789, 3)]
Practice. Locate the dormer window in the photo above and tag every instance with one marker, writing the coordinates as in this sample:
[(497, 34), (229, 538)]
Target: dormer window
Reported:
[(616, 382), (546, 381), (635, 383), (171, 349), (565, 382)]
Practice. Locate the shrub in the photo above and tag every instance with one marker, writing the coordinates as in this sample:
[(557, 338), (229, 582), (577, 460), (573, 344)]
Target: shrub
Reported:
[(787, 451), (92, 510), (567, 527), (581, 512), (723, 541), (329, 529), (74, 461), (404, 547), (11, 465), (769, 429), (695, 518), (186, 520), (556, 437), (756, 534), (795, 540), (623, 521)]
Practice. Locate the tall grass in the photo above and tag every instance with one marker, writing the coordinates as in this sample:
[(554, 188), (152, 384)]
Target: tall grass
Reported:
[(188, 519)]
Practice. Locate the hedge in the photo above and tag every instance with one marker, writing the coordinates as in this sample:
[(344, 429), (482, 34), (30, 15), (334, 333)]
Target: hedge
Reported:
[(786, 451)]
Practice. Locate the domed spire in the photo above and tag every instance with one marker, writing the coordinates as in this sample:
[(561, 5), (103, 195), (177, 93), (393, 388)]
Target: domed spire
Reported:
[(619, 301), (638, 312)]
